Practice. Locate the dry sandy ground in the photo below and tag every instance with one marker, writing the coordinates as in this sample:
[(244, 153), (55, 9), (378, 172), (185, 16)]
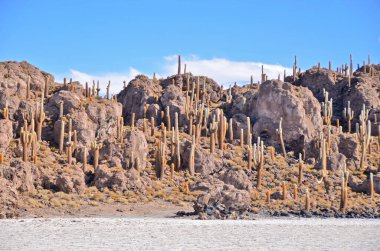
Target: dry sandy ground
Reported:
[(156, 209)]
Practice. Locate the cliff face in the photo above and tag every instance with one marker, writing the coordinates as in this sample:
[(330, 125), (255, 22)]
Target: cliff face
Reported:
[(183, 139)]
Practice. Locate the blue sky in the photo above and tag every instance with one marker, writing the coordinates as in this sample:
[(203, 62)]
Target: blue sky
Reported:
[(117, 39)]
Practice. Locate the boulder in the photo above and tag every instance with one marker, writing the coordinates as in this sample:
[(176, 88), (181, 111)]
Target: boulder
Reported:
[(205, 163), (71, 183), (238, 178), (19, 173), (119, 180), (173, 98), (139, 92), (299, 109), (219, 199), (6, 134), (335, 162)]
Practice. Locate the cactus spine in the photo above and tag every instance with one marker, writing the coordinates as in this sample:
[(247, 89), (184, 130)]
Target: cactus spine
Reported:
[(300, 169)]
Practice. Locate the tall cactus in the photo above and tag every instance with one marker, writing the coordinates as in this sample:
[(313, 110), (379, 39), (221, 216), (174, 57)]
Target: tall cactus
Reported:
[(26, 140), (95, 148), (280, 136), (39, 118)]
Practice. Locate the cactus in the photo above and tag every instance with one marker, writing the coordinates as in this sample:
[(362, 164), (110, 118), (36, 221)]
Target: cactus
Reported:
[(258, 160), (324, 159), (371, 187), (95, 148), (250, 158), (28, 88), (279, 133), (268, 194), (97, 89), (6, 111), (344, 190), (69, 151), (327, 108), (62, 134), (108, 90), (160, 159), (120, 129), (364, 135), (84, 163), (300, 169), (177, 149), (151, 126), (26, 139), (295, 192), (307, 201), (221, 130), (168, 124), (192, 158), (179, 64), (1, 158), (40, 117), (241, 137), (348, 114), (248, 130), (284, 190)]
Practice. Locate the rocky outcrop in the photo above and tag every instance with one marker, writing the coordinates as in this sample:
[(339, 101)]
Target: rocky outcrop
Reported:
[(120, 180), (297, 107), (132, 154), (205, 163), (218, 200), (139, 92), (6, 134), (93, 121), (172, 97)]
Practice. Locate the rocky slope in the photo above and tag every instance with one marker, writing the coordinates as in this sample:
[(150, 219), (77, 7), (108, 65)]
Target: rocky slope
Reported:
[(275, 148)]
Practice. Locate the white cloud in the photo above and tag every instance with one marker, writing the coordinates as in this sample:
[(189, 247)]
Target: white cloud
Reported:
[(116, 79), (225, 71), (222, 70)]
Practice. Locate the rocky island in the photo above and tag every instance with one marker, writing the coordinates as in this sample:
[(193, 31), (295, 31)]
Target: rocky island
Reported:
[(305, 144)]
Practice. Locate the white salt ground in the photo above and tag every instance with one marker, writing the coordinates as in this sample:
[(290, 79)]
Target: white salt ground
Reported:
[(186, 234)]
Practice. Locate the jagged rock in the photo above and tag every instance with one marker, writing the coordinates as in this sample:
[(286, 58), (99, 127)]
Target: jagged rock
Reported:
[(205, 163), (14, 77), (71, 183), (19, 173), (139, 92), (8, 197), (71, 102), (297, 107), (335, 162), (348, 146), (219, 198), (237, 178), (358, 185), (6, 134), (98, 121), (364, 90), (239, 121), (212, 89), (316, 81), (133, 152), (119, 179), (173, 98)]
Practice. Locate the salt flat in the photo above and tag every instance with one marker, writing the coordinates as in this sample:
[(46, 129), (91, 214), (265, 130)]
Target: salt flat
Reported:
[(186, 234)]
